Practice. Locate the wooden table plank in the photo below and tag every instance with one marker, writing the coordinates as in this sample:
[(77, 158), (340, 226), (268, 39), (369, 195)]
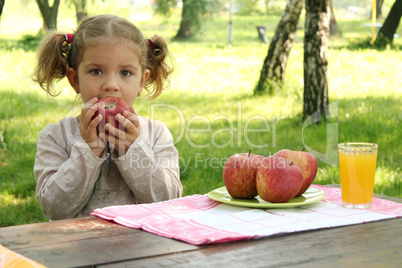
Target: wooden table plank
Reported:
[(104, 250), (375, 244), (93, 241), (54, 232), (85, 241)]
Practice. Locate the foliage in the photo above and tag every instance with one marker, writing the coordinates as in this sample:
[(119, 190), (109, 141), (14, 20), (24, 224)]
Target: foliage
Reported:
[(358, 8), (258, 7), (164, 7), (249, 7), (28, 42), (380, 43), (32, 41), (274, 7)]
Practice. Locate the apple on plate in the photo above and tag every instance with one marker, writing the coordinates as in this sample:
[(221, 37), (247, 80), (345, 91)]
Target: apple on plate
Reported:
[(239, 175), (109, 108), (307, 163), (278, 180)]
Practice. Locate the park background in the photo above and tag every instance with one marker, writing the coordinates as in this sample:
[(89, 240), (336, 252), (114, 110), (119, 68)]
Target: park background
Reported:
[(212, 80)]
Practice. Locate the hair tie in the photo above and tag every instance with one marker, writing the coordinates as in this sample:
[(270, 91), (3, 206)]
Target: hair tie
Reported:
[(69, 38), (150, 43)]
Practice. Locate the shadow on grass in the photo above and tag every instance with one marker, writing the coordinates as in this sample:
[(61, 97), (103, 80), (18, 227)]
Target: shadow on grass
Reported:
[(17, 176), (18, 204), (21, 211)]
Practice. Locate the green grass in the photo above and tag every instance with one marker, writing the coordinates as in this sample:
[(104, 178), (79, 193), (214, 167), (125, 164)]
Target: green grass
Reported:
[(210, 104)]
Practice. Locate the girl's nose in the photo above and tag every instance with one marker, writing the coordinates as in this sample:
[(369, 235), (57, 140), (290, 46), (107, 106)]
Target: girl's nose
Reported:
[(111, 84)]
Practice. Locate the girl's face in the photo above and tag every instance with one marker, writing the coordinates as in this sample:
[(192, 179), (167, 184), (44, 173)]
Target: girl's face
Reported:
[(109, 70)]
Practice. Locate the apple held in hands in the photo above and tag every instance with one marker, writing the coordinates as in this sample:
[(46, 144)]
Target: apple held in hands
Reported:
[(307, 163), (239, 175), (109, 108), (278, 180)]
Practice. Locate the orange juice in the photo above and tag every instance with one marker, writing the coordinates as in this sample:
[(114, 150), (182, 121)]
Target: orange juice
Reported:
[(357, 171)]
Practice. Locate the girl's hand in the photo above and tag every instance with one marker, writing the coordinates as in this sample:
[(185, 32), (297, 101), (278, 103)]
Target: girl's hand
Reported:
[(121, 139), (88, 127)]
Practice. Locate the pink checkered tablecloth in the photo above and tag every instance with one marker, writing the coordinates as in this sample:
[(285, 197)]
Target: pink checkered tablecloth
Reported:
[(199, 220)]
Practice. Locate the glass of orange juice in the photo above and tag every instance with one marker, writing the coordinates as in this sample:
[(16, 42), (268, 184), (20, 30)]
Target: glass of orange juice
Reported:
[(357, 164)]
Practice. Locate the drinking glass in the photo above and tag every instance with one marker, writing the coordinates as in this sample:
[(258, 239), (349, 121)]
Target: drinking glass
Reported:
[(357, 164)]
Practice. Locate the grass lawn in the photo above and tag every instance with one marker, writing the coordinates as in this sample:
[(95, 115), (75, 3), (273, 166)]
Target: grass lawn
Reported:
[(211, 111)]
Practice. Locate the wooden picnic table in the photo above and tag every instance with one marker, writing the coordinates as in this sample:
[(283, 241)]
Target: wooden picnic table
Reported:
[(94, 242)]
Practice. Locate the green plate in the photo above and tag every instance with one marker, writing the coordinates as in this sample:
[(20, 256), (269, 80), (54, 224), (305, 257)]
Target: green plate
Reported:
[(312, 195)]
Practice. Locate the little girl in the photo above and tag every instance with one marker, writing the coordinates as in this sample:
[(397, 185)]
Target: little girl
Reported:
[(106, 56)]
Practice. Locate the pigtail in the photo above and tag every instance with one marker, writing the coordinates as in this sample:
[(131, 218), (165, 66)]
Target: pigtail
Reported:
[(52, 62), (157, 56)]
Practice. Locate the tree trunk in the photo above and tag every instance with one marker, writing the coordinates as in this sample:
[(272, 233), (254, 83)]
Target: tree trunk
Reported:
[(390, 25), (315, 57), (49, 14), (274, 66), (1, 6), (2, 144), (379, 8), (1, 12), (333, 26), (186, 25), (80, 9)]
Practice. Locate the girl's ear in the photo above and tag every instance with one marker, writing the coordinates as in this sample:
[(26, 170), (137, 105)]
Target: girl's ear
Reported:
[(144, 79), (72, 77)]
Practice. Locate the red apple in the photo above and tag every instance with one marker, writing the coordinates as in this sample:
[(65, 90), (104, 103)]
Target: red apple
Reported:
[(278, 180), (109, 108), (239, 175), (307, 163)]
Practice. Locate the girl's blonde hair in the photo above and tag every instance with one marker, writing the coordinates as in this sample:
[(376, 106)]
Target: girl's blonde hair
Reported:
[(55, 55)]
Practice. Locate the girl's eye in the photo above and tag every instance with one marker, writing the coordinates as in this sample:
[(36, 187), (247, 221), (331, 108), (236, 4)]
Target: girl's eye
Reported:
[(96, 72), (125, 73)]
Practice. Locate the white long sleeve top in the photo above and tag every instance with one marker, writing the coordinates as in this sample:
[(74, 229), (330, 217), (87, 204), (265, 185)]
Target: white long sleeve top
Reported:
[(72, 181)]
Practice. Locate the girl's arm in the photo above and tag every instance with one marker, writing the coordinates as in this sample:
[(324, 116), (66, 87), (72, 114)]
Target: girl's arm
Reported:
[(151, 165), (65, 170)]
